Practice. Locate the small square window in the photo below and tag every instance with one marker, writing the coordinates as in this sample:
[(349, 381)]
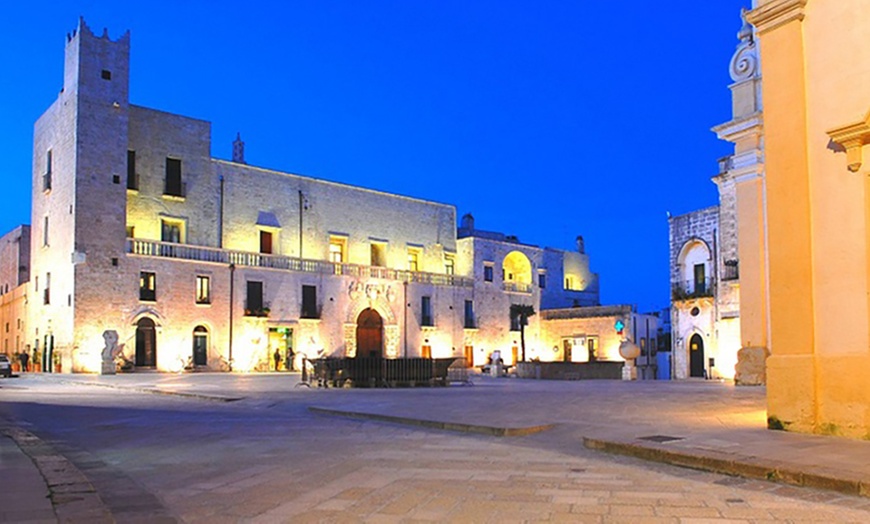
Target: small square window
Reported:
[(116, 179), (106, 74), (487, 273), (115, 261)]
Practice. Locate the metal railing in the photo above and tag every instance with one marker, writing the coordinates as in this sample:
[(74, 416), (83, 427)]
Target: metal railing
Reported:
[(379, 372), (693, 289), (153, 248), (731, 270)]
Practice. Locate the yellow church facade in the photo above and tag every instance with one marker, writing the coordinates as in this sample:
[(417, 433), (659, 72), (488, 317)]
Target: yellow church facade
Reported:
[(804, 222)]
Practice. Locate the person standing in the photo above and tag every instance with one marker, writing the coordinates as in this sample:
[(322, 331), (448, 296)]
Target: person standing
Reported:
[(277, 357), (24, 357)]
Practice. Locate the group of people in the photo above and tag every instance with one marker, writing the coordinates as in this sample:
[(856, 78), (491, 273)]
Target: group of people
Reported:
[(288, 365)]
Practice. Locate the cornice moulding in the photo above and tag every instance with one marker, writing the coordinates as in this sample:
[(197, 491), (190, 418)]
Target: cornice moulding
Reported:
[(852, 138), (736, 129), (776, 14)]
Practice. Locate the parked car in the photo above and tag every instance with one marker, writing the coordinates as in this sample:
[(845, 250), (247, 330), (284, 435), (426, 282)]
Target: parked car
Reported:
[(5, 366)]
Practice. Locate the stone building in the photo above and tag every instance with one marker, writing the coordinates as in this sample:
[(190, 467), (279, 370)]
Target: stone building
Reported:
[(709, 246), (14, 276), (197, 261)]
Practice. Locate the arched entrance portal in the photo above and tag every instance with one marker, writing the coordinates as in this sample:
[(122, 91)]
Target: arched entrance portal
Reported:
[(369, 334), (696, 356), (146, 343)]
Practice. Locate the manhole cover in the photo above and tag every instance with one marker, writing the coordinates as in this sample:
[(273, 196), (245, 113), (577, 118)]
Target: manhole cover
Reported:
[(660, 438)]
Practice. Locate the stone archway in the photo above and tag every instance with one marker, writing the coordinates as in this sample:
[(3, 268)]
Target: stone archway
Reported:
[(376, 297), (146, 343)]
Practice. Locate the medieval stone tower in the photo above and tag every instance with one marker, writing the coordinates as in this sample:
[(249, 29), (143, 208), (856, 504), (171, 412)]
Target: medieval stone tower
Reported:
[(79, 196)]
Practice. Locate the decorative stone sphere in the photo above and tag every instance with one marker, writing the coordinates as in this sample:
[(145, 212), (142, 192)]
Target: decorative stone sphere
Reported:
[(628, 350)]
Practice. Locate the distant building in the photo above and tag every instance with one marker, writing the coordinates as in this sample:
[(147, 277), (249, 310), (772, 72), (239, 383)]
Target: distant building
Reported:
[(14, 277)]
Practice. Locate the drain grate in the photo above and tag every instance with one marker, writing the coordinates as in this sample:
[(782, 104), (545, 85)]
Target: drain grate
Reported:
[(660, 438)]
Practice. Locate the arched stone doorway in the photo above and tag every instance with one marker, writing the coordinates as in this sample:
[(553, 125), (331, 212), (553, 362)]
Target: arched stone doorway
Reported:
[(200, 346), (146, 343), (369, 334), (696, 356)]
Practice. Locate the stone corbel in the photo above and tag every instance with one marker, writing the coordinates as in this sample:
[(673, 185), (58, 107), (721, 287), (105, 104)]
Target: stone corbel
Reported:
[(852, 138), (776, 13)]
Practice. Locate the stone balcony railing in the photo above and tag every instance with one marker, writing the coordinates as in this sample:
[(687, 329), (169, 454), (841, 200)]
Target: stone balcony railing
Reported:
[(517, 287), (153, 248)]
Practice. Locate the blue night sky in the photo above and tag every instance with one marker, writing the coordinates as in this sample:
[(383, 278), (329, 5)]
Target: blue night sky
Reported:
[(543, 119)]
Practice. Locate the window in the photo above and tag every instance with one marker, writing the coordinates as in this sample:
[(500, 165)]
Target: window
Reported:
[(132, 179), (449, 265), (469, 314), (147, 286), (542, 280), (413, 259), (46, 178), (254, 299), (105, 74), (173, 185), (170, 231), (265, 242), (337, 247), (515, 322), (309, 302), (700, 279), (487, 273), (46, 293), (379, 254), (426, 312), (203, 289), (643, 350), (45, 232), (130, 231)]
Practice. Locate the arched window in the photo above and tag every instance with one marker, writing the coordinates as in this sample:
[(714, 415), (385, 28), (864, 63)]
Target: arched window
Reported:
[(517, 268)]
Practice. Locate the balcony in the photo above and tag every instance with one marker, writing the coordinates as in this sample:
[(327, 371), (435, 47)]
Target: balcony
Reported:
[(153, 248), (517, 287), (689, 289), (731, 270)]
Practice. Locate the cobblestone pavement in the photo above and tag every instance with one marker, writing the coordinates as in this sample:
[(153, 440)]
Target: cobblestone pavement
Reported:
[(266, 458)]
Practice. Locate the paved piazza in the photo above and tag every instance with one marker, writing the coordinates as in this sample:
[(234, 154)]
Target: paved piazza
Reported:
[(266, 458)]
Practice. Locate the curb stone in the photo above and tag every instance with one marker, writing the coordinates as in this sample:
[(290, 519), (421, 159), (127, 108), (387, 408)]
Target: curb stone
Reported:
[(746, 467), (434, 424)]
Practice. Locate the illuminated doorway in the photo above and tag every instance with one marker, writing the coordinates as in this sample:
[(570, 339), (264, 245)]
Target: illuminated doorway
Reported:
[(370, 334), (696, 356), (146, 343), (281, 339), (200, 346)]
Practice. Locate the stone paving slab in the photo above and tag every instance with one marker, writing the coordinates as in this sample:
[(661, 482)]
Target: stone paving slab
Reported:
[(716, 427)]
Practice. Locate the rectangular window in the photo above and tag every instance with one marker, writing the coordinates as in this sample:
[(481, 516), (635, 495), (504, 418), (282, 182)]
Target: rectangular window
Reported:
[(426, 312), (309, 302), (173, 185), (469, 314), (379, 254), (46, 177), (203, 289), (132, 179), (254, 299), (449, 265), (515, 322), (46, 293), (542, 280), (265, 242), (147, 286), (130, 231), (45, 232), (487, 273), (413, 260), (336, 249), (170, 231)]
